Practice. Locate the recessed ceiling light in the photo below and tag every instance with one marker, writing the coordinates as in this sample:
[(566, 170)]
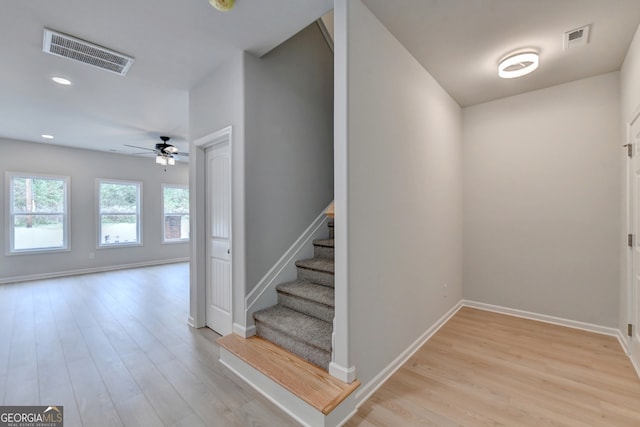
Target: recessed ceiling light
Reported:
[(46, 136), (518, 65), (61, 80)]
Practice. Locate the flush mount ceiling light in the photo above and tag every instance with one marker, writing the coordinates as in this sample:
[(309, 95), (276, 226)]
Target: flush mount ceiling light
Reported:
[(61, 81), (222, 5), (46, 136), (518, 65)]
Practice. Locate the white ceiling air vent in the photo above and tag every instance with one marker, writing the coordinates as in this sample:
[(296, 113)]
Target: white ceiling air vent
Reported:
[(63, 45), (577, 37)]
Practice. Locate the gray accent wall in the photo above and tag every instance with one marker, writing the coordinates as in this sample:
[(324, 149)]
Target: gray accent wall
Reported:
[(403, 180), (630, 103), (288, 146), (280, 108), (542, 201), (84, 167)]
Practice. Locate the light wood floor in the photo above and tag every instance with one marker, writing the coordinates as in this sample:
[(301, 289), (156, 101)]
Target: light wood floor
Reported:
[(115, 349), (487, 369)]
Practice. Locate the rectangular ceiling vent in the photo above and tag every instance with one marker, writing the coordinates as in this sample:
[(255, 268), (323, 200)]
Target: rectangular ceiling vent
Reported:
[(69, 47), (577, 37)]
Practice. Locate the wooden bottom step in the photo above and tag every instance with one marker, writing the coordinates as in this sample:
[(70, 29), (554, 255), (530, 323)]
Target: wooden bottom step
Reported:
[(308, 382)]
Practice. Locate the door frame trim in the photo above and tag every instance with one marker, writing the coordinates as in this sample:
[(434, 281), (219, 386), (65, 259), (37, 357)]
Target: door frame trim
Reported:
[(197, 198), (630, 212)]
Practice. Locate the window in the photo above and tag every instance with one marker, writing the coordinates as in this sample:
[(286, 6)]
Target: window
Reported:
[(175, 209), (119, 213), (38, 213)]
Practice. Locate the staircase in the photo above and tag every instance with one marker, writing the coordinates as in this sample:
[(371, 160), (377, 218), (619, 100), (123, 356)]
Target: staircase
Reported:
[(302, 321)]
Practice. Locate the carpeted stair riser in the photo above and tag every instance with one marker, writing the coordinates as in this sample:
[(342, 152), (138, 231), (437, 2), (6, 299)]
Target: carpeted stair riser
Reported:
[(310, 353), (323, 249), (319, 277), (306, 306)]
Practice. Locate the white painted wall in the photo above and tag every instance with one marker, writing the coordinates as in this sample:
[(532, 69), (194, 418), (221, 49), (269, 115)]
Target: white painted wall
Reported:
[(630, 103), (288, 146), (216, 103), (401, 168), (280, 108), (542, 201), (84, 166)]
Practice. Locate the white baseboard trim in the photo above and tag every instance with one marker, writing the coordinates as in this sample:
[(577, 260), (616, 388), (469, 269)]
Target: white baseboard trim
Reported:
[(623, 341), (635, 363), (244, 332), (55, 274), (372, 386), (263, 295), (346, 375), (590, 327)]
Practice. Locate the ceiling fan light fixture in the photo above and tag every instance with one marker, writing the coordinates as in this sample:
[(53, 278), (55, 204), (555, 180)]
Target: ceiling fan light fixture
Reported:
[(171, 161), (222, 5), (161, 160), (518, 65)]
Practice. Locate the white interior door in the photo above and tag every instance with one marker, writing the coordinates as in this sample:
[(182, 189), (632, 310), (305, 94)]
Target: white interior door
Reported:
[(218, 190), (634, 297)]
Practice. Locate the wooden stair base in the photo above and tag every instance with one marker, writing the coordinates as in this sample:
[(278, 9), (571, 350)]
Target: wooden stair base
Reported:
[(306, 381)]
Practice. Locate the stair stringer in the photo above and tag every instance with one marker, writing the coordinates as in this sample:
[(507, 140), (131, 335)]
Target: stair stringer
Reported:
[(264, 294), (301, 411)]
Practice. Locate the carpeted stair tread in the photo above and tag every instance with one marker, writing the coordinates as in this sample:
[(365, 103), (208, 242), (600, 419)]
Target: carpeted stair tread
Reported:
[(307, 290), (297, 325), (327, 243), (318, 264)]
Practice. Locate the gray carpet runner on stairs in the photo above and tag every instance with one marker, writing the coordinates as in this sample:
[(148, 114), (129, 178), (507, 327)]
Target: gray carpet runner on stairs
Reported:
[(302, 321)]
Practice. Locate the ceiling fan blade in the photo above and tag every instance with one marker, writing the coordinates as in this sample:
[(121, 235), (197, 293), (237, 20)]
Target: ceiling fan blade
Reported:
[(182, 154), (140, 148)]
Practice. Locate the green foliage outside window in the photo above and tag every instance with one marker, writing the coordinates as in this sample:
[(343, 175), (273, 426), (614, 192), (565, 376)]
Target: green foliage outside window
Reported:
[(33, 196)]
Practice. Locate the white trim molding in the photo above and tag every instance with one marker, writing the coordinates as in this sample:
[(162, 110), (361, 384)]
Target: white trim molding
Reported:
[(372, 386), (635, 363), (17, 279), (346, 375), (243, 331), (197, 213), (590, 327)]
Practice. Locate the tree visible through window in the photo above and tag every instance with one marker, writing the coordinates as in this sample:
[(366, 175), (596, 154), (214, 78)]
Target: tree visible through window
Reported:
[(37, 213), (119, 217), (175, 207)]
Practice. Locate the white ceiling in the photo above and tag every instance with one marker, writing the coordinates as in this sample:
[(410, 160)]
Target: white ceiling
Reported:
[(461, 41), (176, 43)]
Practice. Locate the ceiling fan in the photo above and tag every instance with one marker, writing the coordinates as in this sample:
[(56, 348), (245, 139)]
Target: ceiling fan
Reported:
[(164, 151)]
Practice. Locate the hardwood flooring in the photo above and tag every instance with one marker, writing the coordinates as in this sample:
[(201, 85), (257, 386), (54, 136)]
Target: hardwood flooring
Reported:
[(115, 350), (488, 369), (310, 383)]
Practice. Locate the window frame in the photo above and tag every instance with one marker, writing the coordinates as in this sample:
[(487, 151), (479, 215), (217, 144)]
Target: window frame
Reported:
[(164, 214), (100, 244), (10, 214)]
